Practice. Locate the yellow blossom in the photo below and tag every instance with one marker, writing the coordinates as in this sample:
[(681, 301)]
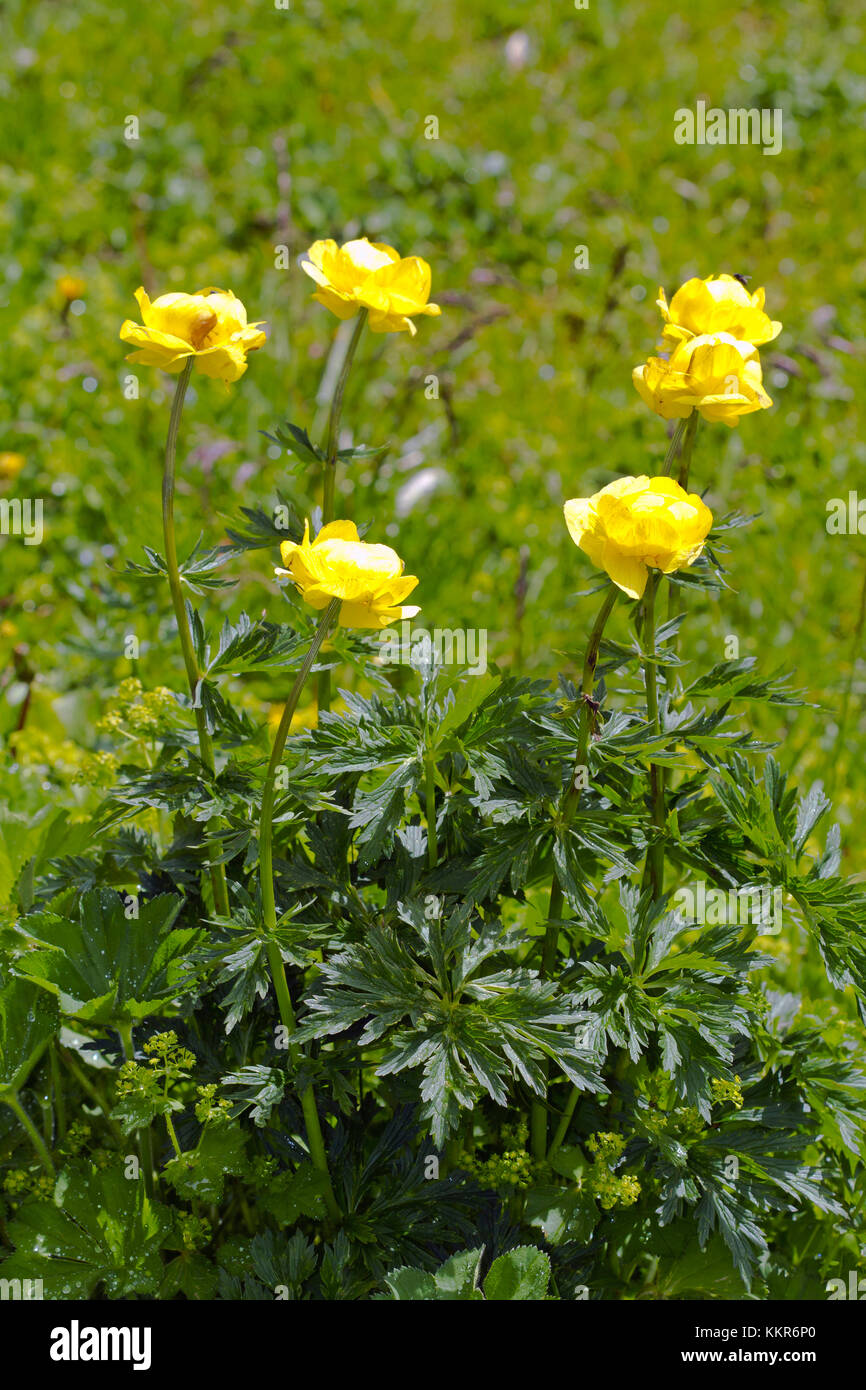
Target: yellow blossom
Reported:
[(370, 275), (720, 304), (636, 523), (209, 326), (715, 374), (305, 718), (11, 465), (338, 564), (71, 287)]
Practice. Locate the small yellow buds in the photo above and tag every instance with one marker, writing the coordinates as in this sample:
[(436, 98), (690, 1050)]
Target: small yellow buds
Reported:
[(210, 327), (338, 564), (727, 1092), (638, 523), (373, 276)]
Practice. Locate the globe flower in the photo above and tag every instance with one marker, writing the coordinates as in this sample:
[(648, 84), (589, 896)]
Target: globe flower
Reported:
[(637, 524), (716, 305), (210, 327), (367, 274), (715, 374), (338, 564)]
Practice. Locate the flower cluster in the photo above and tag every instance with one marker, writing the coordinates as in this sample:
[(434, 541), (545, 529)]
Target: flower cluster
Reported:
[(513, 1169), (610, 1190), (727, 1092), (712, 329)]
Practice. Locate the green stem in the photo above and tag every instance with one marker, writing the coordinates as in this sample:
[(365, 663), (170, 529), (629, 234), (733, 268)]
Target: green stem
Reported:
[(145, 1143), (569, 802), (11, 1099), (329, 466), (689, 433), (430, 800), (269, 909), (98, 1099), (673, 448), (565, 1121), (654, 869), (217, 871), (688, 445), (172, 1134), (839, 741), (57, 1089)]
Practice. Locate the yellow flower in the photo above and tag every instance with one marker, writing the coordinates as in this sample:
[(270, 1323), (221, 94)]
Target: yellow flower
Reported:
[(716, 305), (368, 274), (337, 564), (305, 718), (210, 326), (11, 465), (71, 287), (715, 374), (634, 523)]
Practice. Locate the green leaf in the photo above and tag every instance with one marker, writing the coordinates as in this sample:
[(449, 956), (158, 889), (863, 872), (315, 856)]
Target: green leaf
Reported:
[(191, 1274), (457, 1278), (522, 1274), (29, 1018), (201, 1172), (104, 967), (415, 1284), (100, 1232)]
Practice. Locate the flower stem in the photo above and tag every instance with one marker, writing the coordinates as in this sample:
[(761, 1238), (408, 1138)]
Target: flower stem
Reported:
[(430, 800), (569, 802), (145, 1140), (95, 1095), (11, 1099), (57, 1089), (688, 444), (565, 1121), (269, 910), (172, 1134), (839, 741), (329, 466), (217, 871), (654, 869)]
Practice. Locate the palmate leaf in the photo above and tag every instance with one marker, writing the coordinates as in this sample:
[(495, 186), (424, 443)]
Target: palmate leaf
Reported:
[(438, 997), (29, 1018), (201, 1172), (104, 967), (520, 1275), (100, 1232)]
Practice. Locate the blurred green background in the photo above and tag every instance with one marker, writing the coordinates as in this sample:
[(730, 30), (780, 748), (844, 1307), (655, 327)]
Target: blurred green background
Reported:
[(261, 127)]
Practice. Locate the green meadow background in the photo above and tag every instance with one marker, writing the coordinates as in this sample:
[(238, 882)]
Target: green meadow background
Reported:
[(261, 127)]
